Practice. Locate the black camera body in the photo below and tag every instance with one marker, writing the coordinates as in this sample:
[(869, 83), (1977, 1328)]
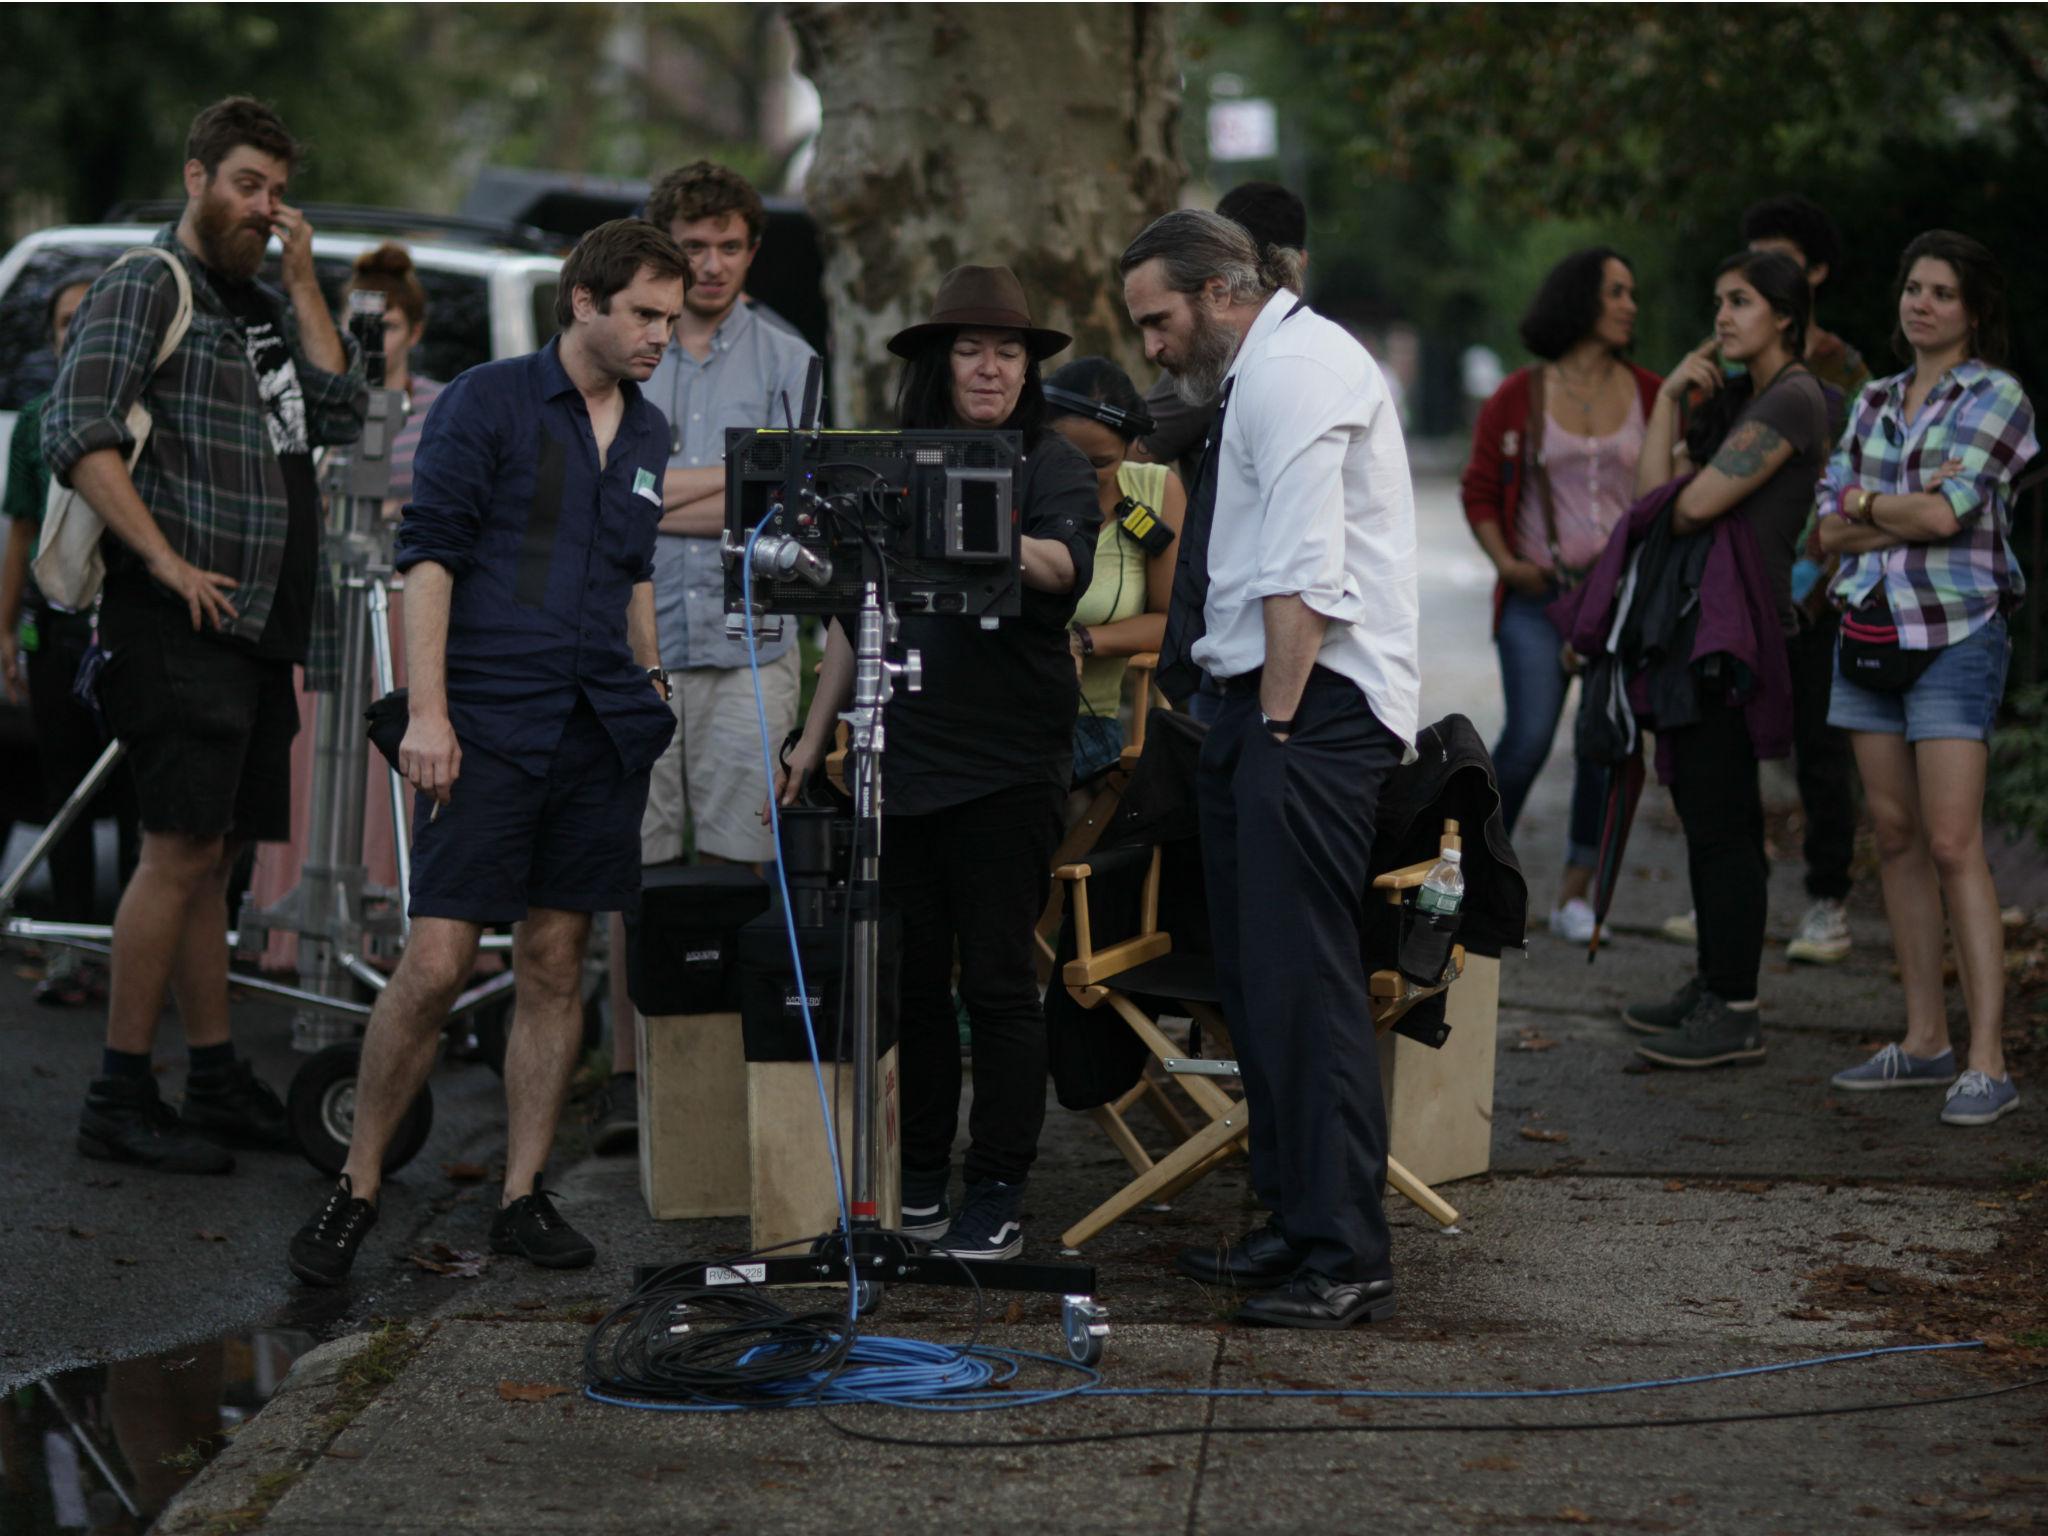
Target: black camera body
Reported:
[(936, 510)]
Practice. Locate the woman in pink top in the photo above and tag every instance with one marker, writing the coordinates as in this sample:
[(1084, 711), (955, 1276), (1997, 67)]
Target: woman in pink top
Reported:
[(1552, 471)]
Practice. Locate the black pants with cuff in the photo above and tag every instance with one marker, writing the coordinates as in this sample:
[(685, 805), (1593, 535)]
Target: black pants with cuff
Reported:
[(1287, 831), (1720, 804), (972, 877)]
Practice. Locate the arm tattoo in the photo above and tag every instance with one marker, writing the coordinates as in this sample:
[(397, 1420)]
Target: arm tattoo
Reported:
[(1743, 454)]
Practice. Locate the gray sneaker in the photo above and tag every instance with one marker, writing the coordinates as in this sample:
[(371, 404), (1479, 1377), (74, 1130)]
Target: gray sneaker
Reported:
[(1658, 1017), (1893, 1068), (1978, 1098), (1713, 1035), (1823, 936)]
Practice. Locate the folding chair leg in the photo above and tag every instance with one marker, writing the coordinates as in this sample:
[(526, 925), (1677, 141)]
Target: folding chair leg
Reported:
[(1110, 1118), (1432, 1204), (1218, 1135), (1164, 1107), (1199, 1172)]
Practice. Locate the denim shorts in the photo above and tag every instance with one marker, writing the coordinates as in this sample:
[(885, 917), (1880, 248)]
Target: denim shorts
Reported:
[(1956, 698)]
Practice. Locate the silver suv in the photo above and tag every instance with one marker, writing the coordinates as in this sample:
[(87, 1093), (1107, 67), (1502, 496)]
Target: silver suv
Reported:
[(482, 301)]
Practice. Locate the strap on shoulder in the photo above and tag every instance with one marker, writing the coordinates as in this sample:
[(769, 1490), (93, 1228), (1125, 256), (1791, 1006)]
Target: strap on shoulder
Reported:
[(181, 317)]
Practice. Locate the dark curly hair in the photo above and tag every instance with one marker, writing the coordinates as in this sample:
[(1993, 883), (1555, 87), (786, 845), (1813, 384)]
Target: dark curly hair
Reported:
[(1567, 306), (224, 127), (703, 190), (1797, 219), (609, 257)]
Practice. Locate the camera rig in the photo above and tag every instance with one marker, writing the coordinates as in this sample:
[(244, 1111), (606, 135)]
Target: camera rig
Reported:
[(931, 516)]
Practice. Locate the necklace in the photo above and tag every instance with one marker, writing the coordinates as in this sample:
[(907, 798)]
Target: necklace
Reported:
[(1586, 405)]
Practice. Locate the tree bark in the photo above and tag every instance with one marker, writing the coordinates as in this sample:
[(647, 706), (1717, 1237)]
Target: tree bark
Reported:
[(1042, 138)]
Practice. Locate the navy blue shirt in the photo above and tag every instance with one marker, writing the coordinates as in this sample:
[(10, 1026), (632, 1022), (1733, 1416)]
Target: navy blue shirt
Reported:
[(545, 548)]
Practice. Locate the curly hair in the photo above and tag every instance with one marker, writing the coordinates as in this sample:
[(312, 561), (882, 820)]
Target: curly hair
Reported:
[(702, 190), (1567, 306)]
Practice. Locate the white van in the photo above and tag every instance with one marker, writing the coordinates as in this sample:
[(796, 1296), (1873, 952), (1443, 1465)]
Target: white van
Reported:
[(482, 301)]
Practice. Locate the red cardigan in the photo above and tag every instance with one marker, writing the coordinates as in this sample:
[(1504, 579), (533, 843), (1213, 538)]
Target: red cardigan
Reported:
[(1491, 487)]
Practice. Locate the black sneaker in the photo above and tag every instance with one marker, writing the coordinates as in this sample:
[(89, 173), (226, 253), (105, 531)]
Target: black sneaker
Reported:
[(324, 1248), (1713, 1035), (927, 1212), (615, 1118), (1656, 1018), (237, 1108), (125, 1121), (990, 1224), (532, 1228)]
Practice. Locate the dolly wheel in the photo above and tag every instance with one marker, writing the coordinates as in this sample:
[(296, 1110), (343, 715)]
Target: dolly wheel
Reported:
[(322, 1111)]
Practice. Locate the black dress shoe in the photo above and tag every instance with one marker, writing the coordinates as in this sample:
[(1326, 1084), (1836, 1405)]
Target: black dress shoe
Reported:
[(1310, 1300), (1261, 1257)]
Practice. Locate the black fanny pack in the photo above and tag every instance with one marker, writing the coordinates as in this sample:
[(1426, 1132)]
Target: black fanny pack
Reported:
[(1870, 655)]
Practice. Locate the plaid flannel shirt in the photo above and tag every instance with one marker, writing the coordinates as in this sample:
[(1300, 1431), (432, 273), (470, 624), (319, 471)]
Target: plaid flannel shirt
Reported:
[(1940, 590), (208, 474)]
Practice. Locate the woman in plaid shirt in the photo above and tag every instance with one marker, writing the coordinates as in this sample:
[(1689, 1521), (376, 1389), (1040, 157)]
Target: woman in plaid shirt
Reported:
[(1918, 502)]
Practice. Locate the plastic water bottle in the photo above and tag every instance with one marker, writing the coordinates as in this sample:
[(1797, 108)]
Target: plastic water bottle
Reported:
[(1443, 889)]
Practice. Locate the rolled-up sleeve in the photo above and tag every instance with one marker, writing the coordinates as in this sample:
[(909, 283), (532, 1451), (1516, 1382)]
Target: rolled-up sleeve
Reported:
[(1304, 432), (1060, 505), (107, 364), (336, 403), (1992, 437), (452, 478)]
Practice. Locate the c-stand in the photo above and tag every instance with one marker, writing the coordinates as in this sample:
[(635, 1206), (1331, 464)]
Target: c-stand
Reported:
[(791, 549)]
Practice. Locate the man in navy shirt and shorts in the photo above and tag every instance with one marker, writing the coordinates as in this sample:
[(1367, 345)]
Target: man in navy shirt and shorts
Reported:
[(537, 708)]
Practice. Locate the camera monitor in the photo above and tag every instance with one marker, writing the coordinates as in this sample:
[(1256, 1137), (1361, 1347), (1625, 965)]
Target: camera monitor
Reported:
[(938, 509)]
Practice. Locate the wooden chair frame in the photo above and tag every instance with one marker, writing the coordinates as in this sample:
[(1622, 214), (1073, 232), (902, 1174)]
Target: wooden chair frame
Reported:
[(1090, 978)]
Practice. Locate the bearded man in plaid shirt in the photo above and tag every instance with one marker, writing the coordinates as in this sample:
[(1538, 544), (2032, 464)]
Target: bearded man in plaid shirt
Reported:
[(214, 581)]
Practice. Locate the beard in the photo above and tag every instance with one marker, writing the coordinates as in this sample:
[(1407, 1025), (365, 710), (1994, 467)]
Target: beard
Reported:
[(229, 247), (1211, 349)]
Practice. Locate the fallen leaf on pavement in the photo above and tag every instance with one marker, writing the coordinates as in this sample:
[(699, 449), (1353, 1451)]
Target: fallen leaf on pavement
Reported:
[(440, 1259), (529, 1391), (1535, 1040), (1807, 1315), (1536, 1133), (1572, 1515), (1014, 1313), (465, 1173), (1674, 1185)]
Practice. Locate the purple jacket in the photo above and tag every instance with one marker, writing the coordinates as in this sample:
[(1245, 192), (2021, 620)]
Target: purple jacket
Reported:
[(1737, 616)]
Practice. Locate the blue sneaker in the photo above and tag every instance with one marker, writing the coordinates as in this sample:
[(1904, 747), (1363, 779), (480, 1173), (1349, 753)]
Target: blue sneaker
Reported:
[(1979, 1098), (990, 1224), (1893, 1068), (926, 1213)]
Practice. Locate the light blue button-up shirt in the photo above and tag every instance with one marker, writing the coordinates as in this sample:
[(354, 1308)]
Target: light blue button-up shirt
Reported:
[(753, 363)]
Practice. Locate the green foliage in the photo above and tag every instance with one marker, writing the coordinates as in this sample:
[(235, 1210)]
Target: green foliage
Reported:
[(2016, 790)]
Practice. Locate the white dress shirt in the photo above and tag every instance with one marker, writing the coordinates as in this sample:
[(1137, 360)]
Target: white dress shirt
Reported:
[(1313, 499)]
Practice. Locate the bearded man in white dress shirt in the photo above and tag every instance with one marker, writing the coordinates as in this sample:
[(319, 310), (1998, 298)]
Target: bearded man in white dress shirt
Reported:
[(1295, 592)]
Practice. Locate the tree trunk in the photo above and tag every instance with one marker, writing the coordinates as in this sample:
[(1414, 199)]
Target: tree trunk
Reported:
[(1038, 137)]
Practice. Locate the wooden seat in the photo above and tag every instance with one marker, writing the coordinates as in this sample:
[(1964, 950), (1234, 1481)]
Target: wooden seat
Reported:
[(1144, 966)]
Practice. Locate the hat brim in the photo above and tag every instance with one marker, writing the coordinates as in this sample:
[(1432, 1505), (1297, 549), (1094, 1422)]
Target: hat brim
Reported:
[(1038, 341)]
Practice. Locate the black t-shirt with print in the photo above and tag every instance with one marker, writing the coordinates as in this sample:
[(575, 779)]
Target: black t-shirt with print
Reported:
[(289, 628)]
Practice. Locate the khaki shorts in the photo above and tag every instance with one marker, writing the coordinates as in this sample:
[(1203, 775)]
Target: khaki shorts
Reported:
[(711, 772)]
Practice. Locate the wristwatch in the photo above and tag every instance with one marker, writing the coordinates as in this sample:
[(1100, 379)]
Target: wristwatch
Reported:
[(660, 677), (1276, 727)]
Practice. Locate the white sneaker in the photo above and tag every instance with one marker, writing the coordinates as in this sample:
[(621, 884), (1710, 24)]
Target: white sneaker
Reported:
[(1573, 922), (1823, 936), (1682, 929)]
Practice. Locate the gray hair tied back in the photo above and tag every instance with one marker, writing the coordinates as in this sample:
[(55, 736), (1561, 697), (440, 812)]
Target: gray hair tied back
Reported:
[(1195, 246)]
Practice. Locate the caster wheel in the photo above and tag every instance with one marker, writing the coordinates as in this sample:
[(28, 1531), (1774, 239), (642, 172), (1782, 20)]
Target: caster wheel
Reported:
[(1085, 1321), (867, 1296), (322, 1111)]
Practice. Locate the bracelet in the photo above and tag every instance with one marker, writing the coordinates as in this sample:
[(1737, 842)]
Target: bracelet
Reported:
[(1087, 640)]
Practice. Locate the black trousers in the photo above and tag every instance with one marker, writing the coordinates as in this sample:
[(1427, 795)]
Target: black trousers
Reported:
[(68, 743), (1823, 759), (973, 877), (1287, 833), (1720, 804)]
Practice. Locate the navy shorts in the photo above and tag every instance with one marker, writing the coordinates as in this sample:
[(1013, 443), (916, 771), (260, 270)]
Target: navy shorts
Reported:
[(1955, 699), (507, 841)]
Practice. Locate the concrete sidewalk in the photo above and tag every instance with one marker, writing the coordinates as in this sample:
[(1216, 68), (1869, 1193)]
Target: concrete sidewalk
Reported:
[(1686, 1222)]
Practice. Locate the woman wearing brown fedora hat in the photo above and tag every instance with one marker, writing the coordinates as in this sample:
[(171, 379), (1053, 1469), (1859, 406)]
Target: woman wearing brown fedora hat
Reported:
[(976, 766)]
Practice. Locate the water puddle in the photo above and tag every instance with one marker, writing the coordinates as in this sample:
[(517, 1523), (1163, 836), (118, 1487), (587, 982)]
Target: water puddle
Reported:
[(105, 1447)]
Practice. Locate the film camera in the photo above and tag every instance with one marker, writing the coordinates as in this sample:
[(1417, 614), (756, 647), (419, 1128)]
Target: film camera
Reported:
[(931, 517)]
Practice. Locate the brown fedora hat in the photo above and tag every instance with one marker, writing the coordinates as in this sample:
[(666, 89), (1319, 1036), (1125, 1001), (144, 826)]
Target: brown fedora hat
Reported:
[(982, 298)]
